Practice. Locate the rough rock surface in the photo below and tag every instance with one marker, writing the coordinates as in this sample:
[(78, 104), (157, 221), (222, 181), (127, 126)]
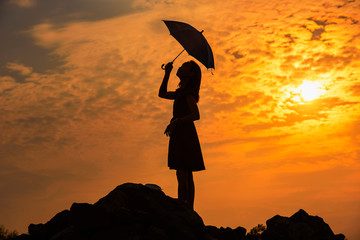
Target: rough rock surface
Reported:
[(142, 212)]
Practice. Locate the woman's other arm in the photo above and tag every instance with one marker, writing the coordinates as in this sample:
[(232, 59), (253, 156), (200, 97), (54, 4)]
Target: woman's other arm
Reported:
[(193, 116), (194, 111)]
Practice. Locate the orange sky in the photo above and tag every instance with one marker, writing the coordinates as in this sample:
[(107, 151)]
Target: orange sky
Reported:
[(279, 125)]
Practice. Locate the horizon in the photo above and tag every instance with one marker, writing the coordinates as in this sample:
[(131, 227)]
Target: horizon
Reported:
[(279, 120)]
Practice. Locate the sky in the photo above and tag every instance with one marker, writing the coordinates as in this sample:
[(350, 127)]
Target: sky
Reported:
[(279, 117)]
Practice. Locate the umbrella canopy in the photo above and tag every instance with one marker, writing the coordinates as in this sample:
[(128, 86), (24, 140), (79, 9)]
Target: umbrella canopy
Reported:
[(193, 42)]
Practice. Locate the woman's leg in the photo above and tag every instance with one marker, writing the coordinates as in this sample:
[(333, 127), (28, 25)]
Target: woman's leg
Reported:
[(191, 189), (180, 174), (186, 187)]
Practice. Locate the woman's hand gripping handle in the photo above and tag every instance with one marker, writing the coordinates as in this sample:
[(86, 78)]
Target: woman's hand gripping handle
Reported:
[(168, 67)]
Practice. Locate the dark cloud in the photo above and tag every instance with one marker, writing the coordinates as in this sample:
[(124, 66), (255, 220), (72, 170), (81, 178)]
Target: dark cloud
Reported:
[(316, 33), (291, 38), (346, 2), (353, 21), (322, 23), (60, 12), (17, 46), (238, 55)]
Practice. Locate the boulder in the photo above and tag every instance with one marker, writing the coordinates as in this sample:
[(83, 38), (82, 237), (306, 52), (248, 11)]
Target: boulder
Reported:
[(149, 211), (130, 211), (299, 226)]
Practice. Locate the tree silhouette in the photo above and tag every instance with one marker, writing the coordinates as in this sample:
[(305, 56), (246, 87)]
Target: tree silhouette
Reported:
[(255, 232), (7, 234)]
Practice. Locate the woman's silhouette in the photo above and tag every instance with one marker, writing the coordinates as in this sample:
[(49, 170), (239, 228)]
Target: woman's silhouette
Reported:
[(184, 148)]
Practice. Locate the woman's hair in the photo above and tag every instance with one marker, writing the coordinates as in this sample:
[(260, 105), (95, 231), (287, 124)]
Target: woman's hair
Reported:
[(193, 86)]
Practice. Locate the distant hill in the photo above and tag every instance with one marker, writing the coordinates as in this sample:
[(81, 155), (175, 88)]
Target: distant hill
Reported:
[(144, 212)]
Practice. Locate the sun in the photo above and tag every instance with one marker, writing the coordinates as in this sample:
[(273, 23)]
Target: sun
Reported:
[(308, 91)]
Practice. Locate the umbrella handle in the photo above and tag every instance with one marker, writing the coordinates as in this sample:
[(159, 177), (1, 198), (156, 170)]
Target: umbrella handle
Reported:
[(163, 66)]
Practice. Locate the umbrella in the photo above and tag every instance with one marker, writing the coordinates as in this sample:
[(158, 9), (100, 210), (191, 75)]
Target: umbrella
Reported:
[(193, 42)]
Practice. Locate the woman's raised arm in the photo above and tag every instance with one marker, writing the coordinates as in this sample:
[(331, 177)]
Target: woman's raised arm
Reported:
[(163, 92)]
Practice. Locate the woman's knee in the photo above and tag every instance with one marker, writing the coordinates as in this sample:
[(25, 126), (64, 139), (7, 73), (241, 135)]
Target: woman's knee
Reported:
[(184, 175)]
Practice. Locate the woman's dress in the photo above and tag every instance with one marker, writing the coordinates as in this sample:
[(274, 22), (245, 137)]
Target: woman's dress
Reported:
[(184, 146)]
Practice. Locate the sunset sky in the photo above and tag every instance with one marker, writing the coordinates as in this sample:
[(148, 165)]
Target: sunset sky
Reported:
[(279, 118)]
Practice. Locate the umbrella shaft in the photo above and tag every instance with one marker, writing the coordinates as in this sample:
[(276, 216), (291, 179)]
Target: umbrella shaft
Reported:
[(178, 55)]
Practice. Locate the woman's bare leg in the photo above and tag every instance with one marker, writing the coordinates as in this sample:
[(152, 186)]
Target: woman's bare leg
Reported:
[(186, 187), (191, 189), (180, 174)]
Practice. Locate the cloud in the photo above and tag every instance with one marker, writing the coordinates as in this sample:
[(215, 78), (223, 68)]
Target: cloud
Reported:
[(323, 23), (17, 46), (6, 83), (355, 89), (21, 69), (151, 3), (353, 21), (96, 94), (251, 68), (316, 33), (237, 55), (24, 3)]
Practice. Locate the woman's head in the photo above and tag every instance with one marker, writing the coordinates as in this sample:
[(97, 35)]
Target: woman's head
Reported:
[(190, 78)]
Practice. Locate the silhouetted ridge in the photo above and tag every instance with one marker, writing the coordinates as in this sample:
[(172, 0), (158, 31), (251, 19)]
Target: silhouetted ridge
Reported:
[(136, 211)]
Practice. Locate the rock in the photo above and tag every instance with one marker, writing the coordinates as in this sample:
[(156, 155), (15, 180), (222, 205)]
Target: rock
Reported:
[(87, 217), (144, 212), (298, 227), (55, 225), (225, 233), (153, 186), (130, 211), (148, 209), (339, 237), (23, 237)]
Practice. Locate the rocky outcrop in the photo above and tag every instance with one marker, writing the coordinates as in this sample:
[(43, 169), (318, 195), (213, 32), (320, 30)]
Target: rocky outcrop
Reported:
[(298, 227), (144, 212)]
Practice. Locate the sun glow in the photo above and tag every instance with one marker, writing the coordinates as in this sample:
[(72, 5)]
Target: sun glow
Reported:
[(308, 91)]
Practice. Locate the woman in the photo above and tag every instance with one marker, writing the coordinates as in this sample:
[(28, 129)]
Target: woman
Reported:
[(184, 148)]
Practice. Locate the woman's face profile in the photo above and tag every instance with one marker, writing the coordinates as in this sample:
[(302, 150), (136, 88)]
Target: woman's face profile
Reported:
[(184, 71)]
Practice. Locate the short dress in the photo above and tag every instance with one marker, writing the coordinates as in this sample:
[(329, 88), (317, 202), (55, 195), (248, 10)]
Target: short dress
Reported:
[(184, 146)]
